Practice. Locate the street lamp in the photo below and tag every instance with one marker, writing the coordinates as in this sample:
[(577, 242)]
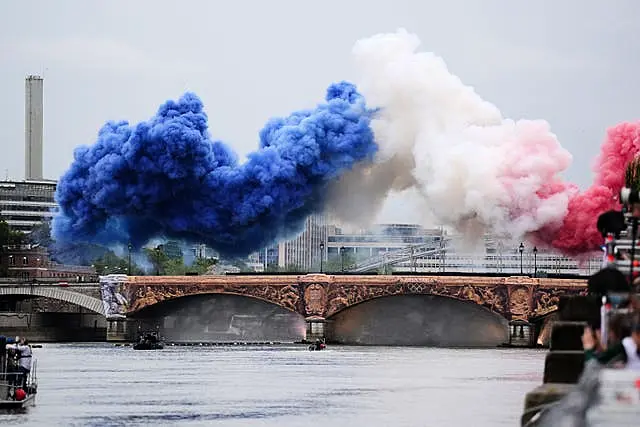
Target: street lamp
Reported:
[(342, 256), (157, 260), (129, 246), (521, 249), (535, 261), (321, 255)]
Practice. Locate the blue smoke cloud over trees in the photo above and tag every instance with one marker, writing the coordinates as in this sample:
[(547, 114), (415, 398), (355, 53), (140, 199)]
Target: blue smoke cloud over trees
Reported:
[(166, 178)]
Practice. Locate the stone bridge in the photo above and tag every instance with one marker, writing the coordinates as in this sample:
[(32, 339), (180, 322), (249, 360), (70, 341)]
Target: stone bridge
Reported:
[(360, 309), (53, 312), (86, 295), (322, 296), (429, 310)]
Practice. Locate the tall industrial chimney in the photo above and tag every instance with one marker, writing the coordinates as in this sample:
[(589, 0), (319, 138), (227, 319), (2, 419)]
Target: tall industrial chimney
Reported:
[(33, 128)]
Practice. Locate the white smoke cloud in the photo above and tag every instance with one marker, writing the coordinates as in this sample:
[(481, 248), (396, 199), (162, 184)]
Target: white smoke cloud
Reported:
[(475, 170)]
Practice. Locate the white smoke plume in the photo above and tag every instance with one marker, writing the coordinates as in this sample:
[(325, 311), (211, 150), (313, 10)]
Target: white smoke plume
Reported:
[(476, 171)]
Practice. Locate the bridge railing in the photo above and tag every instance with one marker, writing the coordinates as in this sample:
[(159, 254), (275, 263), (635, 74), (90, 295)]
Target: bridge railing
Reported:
[(427, 258), (400, 255), (505, 263)]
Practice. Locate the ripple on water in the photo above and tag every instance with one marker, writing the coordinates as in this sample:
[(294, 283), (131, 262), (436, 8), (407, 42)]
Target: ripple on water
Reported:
[(281, 386)]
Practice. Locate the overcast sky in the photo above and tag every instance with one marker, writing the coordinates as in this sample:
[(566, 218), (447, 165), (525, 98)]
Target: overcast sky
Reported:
[(574, 63)]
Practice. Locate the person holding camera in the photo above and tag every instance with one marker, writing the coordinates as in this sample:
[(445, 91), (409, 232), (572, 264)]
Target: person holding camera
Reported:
[(23, 350)]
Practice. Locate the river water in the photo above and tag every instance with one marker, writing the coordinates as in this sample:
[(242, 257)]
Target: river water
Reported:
[(280, 386)]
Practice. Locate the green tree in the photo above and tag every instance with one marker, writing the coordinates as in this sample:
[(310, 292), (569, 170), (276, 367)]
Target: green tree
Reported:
[(293, 268), (202, 265), (273, 268), (334, 262), (158, 260), (165, 265), (8, 237), (289, 268), (110, 263)]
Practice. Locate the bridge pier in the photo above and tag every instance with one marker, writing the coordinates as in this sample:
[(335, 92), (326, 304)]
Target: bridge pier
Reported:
[(121, 330), (521, 334), (316, 328)]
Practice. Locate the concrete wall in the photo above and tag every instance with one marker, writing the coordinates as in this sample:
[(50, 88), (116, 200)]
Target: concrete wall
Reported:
[(54, 327), (222, 318), (420, 320)]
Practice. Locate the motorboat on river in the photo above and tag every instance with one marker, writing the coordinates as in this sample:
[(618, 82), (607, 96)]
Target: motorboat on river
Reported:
[(16, 393), (148, 341), (317, 346)]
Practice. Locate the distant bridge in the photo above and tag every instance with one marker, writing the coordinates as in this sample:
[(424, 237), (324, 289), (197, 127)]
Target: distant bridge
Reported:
[(438, 256), (410, 253), (86, 295)]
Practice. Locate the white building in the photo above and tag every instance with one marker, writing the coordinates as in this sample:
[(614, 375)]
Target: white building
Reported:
[(25, 204), (378, 239), (304, 250)]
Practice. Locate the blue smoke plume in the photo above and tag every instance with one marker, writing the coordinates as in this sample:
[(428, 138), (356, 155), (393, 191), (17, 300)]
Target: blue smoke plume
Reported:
[(166, 177)]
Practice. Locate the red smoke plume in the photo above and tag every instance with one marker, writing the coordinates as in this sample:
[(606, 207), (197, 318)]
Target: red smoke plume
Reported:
[(578, 233)]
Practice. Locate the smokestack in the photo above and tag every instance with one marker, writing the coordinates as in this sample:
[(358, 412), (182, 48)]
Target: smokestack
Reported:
[(33, 128)]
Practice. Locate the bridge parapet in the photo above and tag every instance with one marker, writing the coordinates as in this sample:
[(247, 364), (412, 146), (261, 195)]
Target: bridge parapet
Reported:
[(320, 296)]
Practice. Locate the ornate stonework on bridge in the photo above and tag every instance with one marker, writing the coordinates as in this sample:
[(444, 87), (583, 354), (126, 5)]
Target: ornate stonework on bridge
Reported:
[(321, 296)]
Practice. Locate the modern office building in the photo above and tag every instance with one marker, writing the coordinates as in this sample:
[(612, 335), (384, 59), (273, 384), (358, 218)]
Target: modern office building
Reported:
[(304, 251), (380, 238), (25, 204)]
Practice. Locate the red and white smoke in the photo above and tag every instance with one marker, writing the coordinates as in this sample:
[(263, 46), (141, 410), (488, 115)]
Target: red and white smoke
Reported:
[(578, 233), (476, 170)]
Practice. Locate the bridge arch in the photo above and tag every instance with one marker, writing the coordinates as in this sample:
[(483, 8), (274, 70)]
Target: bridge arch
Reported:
[(418, 319), (85, 301), (356, 303), (221, 317), (142, 307)]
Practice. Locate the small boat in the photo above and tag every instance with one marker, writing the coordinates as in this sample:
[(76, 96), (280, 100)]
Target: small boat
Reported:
[(15, 394), (148, 341), (317, 346)]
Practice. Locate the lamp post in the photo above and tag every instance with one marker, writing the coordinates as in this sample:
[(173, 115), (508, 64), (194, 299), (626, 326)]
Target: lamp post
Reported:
[(157, 260), (321, 255), (342, 257), (535, 261), (385, 260), (129, 246), (521, 249)]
